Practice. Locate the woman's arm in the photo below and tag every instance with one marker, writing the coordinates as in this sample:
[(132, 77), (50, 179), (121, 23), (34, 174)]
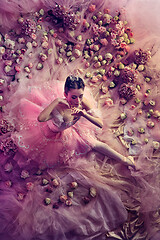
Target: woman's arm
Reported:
[(46, 114), (89, 116), (95, 120)]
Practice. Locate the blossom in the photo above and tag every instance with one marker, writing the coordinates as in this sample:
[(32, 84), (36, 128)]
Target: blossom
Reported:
[(128, 75), (29, 186), (8, 147), (127, 91), (9, 43), (109, 102), (8, 167), (142, 56), (28, 27), (24, 174), (5, 127), (92, 8)]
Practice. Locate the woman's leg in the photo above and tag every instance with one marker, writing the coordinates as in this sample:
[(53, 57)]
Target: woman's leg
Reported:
[(108, 151)]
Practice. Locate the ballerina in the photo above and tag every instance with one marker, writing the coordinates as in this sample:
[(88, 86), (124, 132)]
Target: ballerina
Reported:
[(72, 108)]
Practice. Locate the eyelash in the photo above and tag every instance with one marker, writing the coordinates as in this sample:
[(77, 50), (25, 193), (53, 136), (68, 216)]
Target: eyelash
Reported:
[(76, 97)]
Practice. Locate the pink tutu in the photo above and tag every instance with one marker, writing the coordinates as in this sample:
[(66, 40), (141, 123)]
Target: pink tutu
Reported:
[(43, 142)]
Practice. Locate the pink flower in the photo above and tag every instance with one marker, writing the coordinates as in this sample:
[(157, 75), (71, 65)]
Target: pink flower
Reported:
[(63, 198), (92, 8), (21, 40), (58, 43), (29, 186), (101, 29), (17, 68), (8, 183), (55, 35), (142, 56), (127, 91), (74, 185), (8, 147), (94, 79), (28, 27), (24, 174), (104, 42), (109, 102), (33, 36), (8, 167), (5, 126), (30, 65)]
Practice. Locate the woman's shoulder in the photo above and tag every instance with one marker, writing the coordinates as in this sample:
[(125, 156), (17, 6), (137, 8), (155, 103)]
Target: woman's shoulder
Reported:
[(62, 103)]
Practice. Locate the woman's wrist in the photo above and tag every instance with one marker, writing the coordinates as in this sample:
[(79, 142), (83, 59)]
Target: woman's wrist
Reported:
[(84, 114)]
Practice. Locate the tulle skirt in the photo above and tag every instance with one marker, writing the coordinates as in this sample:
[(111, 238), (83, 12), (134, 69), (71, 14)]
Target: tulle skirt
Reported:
[(36, 140)]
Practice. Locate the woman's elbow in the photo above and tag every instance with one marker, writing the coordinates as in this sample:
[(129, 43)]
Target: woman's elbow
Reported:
[(40, 118)]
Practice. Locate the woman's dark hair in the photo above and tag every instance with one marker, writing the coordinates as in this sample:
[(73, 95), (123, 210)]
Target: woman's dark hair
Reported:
[(73, 82)]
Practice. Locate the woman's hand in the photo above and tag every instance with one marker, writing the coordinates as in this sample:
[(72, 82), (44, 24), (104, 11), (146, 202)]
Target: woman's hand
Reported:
[(77, 112)]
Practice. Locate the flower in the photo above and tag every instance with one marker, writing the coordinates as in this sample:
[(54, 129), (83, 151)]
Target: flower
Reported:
[(9, 43), (93, 192), (63, 198), (156, 145), (55, 182), (43, 57), (128, 75), (150, 124), (109, 102), (24, 174), (61, 15), (142, 56), (73, 185), (92, 8), (8, 167), (29, 186), (5, 127), (47, 201), (68, 203), (8, 183), (28, 27), (8, 147), (127, 91)]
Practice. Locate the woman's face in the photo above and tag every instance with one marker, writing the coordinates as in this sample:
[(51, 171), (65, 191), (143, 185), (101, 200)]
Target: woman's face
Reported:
[(74, 97)]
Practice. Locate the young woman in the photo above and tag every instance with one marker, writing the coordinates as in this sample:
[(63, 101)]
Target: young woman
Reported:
[(65, 112)]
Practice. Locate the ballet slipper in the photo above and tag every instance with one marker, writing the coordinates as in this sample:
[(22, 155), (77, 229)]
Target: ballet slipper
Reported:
[(129, 161)]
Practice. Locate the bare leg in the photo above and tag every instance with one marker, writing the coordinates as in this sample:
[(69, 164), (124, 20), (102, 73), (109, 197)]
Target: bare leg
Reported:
[(108, 151)]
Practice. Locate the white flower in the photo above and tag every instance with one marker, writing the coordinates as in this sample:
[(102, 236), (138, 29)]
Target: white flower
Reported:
[(9, 43)]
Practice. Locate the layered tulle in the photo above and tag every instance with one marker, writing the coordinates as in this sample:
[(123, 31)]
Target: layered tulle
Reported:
[(44, 142)]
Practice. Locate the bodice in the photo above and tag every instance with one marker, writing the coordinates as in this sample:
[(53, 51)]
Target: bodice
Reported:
[(57, 123)]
